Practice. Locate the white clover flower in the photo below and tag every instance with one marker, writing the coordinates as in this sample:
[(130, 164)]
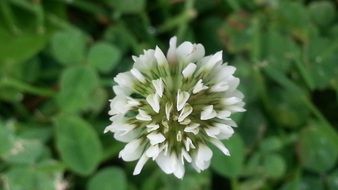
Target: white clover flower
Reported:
[(168, 108)]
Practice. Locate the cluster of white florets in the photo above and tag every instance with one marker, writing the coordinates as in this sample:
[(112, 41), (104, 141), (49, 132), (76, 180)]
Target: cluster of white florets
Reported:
[(169, 107)]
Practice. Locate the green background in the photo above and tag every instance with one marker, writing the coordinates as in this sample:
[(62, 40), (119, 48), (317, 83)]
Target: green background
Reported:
[(58, 59)]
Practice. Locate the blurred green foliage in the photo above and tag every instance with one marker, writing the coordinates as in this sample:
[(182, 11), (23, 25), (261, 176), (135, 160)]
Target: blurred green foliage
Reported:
[(58, 58)]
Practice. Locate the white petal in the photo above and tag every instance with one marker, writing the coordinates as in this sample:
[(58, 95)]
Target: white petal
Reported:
[(154, 102), (145, 61), (153, 151), (140, 164), (138, 75), (188, 144), (186, 156), (179, 172), (161, 59), (223, 114), (168, 107), (121, 105), (143, 116), (203, 157), (229, 121), (212, 131), (166, 163), (132, 151), (197, 53), (216, 58), (109, 128), (189, 70), (127, 137), (152, 127), (192, 128), (186, 121), (118, 106), (225, 131), (171, 54), (159, 87), (182, 98), (199, 87), (220, 146), (186, 111), (208, 113), (121, 91), (220, 87), (155, 138), (231, 100), (124, 79), (184, 49)]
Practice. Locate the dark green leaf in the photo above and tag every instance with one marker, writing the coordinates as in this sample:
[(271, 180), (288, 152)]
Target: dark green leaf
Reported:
[(104, 56), (68, 47), (322, 12), (15, 49), (7, 139), (78, 144), (108, 179), (317, 150), (229, 166), (274, 166), (24, 152), (77, 85)]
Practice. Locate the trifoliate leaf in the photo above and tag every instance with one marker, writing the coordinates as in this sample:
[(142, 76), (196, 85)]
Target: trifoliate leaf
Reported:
[(78, 144)]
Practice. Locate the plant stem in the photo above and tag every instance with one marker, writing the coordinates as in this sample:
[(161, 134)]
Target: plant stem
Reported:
[(21, 86)]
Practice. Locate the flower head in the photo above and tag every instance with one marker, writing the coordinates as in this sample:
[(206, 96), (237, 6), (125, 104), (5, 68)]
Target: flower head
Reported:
[(167, 108)]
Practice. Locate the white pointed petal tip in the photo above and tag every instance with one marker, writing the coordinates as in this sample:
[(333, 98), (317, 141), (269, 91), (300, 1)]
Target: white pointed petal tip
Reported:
[(189, 70), (143, 116), (182, 98), (155, 138), (208, 113), (220, 146), (154, 101), (168, 108), (142, 161), (160, 58), (132, 151), (138, 75), (199, 87), (159, 87), (186, 111)]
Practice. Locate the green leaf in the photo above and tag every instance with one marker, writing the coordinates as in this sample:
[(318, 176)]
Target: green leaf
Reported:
[(104, 56), (195, 181), (24, 151), (127, 6), (271, 144), (43, 176), (7, 139), (322, 12), (68, 47), (78, 144), (15, 49), (77, 85), (310, 183), (318, 151), (111, 178), (332, 180), (99, 100), (274, 166), (229, 166), (322, 55), (279, 50)]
